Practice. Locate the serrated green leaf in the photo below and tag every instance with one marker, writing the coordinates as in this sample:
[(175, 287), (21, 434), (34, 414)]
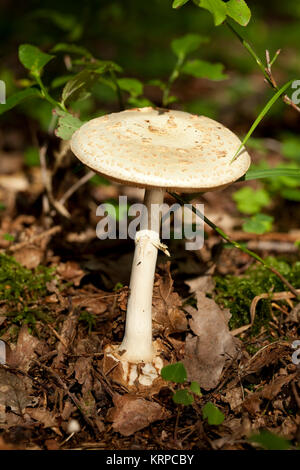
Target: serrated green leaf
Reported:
[(202, 69), (195, 388), (188, 44), (67, 125), (214, 416), (174, 373), (270, 441), (17, 98), (33, 58), (216, 7), (179, 3), (133, 86), (259, 224), (183, 397), (239, 11)]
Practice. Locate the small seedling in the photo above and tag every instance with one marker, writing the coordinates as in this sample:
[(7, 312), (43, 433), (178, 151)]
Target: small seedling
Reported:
[(177, 373)]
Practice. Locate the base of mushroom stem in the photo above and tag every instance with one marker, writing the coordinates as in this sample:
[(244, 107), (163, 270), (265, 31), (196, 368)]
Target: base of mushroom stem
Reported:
[(133, 376)]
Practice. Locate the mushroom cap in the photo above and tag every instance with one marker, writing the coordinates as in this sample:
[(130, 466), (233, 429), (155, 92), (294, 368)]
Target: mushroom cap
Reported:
[(153, 147)]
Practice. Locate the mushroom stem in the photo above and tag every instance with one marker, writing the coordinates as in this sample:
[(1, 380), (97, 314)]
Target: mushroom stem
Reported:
[(137, 341)]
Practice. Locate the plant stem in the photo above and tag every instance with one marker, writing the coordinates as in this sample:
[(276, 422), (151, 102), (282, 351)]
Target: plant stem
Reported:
[(174, 75), (266, 70), (235, 243), (118, 90)]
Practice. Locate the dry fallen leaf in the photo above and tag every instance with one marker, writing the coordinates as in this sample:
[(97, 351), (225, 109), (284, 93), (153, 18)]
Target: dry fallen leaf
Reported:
[(131, 414), (15, 392), (29, 256), (25, 351), (167, 315), (206, 353)]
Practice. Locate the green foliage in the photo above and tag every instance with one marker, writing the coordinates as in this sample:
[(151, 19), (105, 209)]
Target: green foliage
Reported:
[(261, 115), (259, 223), (88, 319), (31, 156), (195, 388), (33, 59), (187, 44), (17, 98), (22, 288), (214, 416), (133, 86), (179, 3), (174, 373), (236, 9), (237, 292), (177, 373), (183, 397), (270, 441), (67, 125), (203, 69), (291, 148), (8, 237), (250, 201)]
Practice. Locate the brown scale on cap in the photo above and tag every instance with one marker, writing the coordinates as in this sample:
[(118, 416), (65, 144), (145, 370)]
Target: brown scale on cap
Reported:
[(152, 147)]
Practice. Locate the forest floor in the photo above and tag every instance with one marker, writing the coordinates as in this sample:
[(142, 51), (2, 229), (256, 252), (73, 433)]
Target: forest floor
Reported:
[(64, 299)]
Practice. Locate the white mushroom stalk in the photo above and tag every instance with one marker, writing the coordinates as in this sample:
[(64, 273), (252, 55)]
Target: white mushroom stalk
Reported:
[(137, 341), (154, 148)]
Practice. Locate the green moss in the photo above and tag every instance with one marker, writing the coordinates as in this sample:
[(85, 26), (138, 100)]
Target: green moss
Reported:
[(22, 288), (237, 292)]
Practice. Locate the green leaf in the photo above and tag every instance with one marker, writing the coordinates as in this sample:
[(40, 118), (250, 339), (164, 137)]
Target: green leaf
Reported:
[(17, 98), (183, 397), (8, 237), (261, 116), (291, 148), (239, 11), (195, 388), (270, 441), (72, 49), (139, 102), (236, 9), (187, 44), (67, 125), (271, 173), (202, 69), (216, 7), (250, 201), (31, 156), (292, 194), (174, 373), (133, 86), (77, 87), (179, 3), (33, 58), (213, 415), (259, 223)]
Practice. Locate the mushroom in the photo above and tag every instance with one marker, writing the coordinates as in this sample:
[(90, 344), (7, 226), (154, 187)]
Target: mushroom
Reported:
[(156, 149)]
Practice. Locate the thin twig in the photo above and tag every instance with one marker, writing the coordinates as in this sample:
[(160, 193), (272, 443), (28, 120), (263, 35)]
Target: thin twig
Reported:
[(48, 233), (75, 187)]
